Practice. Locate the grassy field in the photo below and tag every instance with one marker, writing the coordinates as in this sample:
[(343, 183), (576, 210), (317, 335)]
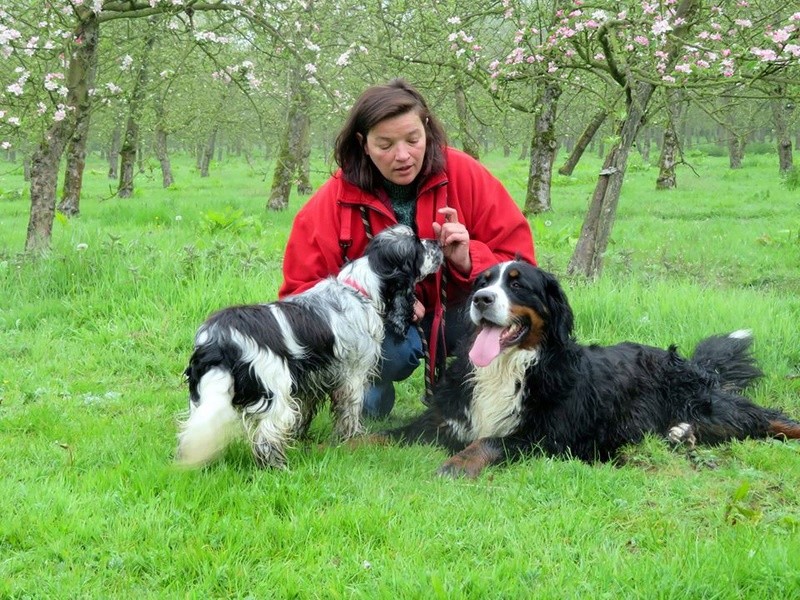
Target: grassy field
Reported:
[(95, 336)]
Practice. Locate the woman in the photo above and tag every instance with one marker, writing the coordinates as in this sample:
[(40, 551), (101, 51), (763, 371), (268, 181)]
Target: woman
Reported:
[(396, 167)]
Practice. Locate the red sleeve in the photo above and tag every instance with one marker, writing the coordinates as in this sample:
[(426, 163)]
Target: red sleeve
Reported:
[(498, 230), (312, 251)]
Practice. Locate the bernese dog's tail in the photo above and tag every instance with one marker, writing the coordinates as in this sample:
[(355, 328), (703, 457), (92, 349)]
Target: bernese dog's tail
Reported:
[(730, 359), (782, 427)]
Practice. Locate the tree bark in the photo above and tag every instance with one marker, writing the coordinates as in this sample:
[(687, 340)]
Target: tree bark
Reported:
[(131, 139), (70, 204), (670, 146), (113, 153), (46, 157), (304, 152), (583, 142), (207, 152), (736, 145), (161, 149), (643, 144), (291, 145), (587, 259), (781, 110), (468, 142), (543, 150)]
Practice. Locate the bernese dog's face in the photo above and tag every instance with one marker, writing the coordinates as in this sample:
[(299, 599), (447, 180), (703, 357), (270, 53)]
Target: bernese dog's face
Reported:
[(515, 305)]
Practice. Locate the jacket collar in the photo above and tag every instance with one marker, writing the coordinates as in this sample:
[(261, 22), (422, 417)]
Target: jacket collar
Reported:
[(350, 193)]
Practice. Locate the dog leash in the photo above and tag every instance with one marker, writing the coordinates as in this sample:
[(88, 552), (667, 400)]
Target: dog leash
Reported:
[(433, 368)]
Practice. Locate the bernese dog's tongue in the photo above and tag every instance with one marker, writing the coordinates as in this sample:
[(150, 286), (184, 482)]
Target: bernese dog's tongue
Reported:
[(486, 346)]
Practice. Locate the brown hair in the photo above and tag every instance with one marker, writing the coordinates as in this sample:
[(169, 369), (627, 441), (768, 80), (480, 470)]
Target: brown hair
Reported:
[(376, 104)]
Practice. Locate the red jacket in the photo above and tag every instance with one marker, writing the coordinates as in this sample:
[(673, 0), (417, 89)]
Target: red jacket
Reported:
[(497, 228)]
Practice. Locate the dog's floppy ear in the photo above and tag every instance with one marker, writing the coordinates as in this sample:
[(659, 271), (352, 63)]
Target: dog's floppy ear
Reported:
[(562, 320), (399, 298)]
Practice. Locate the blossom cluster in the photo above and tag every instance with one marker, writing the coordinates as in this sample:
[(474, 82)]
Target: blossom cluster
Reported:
[(720, 43)]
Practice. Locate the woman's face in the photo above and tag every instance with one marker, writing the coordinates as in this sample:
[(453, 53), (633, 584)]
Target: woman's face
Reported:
[(397, 147)]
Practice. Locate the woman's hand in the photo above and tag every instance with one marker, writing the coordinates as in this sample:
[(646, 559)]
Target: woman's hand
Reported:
[(454, 240)]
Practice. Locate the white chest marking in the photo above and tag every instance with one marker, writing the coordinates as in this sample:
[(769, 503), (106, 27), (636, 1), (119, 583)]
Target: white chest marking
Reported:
[(496, 406)]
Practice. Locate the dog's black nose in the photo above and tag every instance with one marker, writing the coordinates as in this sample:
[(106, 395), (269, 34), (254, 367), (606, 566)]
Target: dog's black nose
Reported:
[(483, 299)]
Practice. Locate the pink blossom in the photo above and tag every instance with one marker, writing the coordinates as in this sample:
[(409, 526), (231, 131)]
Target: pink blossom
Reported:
[(641, 40), (744, 23), (684, 68), (793, 49), (599, 56), (660, 26), (668, 78), (779, 36), (703, 64), (60, 115), (15, 88), (765, 54)]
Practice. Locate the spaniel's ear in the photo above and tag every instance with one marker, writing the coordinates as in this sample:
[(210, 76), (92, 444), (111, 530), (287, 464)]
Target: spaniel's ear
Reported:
[(562, 319), (399, 296)]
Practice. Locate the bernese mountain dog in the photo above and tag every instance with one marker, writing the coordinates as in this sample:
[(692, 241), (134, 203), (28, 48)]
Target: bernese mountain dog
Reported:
[(523, 385)]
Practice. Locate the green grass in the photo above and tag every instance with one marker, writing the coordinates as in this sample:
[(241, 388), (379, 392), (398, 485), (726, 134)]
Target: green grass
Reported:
[(93, 341)]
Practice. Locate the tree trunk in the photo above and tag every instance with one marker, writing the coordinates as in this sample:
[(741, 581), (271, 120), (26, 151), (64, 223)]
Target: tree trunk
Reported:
[(70, 204), (583, 142), (543, 150), (291, 145), (208, 152), (46, 157), (643, 144), (113, 153), (736, 144), (781, 111), (131, 140), (587, 259), (304, 152), (468, 143), (670, 149), (162, 153)]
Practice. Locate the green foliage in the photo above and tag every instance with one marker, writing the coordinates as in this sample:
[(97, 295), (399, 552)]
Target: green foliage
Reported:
[(791, 179), (231, 220), (761, 148), (94, 338), (715, 150), (13, 195)]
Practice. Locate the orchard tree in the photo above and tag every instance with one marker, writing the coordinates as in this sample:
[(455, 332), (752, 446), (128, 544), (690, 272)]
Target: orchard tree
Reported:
[(642, 46), (49, 60)]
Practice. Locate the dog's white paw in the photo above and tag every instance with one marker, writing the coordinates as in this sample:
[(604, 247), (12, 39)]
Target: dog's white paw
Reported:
[(682, 434)]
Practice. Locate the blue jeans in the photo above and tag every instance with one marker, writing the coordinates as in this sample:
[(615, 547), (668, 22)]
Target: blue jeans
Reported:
[(401, 356)]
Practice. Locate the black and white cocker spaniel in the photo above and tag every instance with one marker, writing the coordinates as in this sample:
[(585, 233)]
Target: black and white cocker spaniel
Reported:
[(269, 366), (524, 385)]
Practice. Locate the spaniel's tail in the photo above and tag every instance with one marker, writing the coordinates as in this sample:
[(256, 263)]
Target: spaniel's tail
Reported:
[(729, 357), (210, 426)]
